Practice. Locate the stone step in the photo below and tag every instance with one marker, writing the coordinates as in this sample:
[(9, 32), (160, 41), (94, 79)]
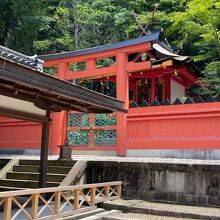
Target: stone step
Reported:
[(35, 169), (61, 163), (83, 215), (25, 168), (34, 176), (164, 209), (96, 214), (102, 215), (136, 216), (25, 183)]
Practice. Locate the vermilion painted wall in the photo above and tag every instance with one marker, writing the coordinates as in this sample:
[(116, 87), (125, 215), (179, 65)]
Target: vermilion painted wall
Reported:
[(19, 134), (192, 126)]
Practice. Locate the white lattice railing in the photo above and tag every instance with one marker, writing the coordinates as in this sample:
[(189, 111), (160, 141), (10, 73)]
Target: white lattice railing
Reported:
[(56, 202)]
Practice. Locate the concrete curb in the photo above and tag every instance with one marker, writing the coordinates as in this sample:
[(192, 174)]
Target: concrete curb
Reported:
[(138, 208)]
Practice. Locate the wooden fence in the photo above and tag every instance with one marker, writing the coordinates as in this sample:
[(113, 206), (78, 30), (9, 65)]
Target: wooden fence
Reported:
[(56, 202)]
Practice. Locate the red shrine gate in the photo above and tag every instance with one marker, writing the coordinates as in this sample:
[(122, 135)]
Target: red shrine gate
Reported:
[(144, 71)]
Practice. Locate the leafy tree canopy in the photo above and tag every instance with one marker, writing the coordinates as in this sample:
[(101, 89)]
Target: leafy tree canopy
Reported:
[(42, 26)]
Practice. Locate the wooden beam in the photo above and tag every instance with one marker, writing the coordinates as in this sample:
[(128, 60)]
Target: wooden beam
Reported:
[(106, 71), (133, 67), (96, 72), (108, 53), (76, 171), (22, 115)]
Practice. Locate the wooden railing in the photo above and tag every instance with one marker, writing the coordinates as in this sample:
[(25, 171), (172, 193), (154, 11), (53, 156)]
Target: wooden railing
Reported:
[(56, 202)]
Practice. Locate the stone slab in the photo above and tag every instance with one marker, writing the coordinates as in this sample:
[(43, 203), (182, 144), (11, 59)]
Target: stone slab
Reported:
[(163, 209)]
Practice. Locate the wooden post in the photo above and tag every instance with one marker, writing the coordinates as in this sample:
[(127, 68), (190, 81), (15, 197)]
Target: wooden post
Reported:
[(35, 201), (7, 208), (107, 188), (76, 199), (119, 190), (92, 201), (153, 89), (57, 204), (44, 152), (122, 91), (65, 126)]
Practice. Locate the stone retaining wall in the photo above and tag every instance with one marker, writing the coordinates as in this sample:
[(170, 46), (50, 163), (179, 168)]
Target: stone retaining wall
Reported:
[(178, 183)]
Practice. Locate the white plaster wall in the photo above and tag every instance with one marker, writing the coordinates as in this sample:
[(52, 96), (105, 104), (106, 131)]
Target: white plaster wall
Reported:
[(19, 105), (177, 91)]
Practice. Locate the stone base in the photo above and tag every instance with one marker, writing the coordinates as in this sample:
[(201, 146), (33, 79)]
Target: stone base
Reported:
[(94, 152), (184, 154), (35, 152)]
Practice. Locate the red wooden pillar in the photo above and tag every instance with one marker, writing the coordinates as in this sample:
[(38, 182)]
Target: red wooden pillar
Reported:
[(122, 81), (91, 64), (153, 89), (59, 119), (167, 88)]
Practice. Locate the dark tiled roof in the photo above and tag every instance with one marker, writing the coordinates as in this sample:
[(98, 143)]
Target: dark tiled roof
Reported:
[(22, 59), (152, 37), (45, 91)]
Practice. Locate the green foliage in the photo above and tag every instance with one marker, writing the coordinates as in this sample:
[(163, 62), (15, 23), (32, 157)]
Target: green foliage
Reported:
[(211, 83), (50, 70), (80, 66), (20, 21), (105, 62), (40, 26), (197, 33)]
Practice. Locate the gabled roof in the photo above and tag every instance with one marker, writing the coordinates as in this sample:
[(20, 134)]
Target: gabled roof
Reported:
[(20, 81), (151, 37), (162, 49)]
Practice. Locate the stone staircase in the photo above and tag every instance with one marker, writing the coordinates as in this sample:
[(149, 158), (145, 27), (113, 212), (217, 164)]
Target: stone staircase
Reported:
[(26, 174)]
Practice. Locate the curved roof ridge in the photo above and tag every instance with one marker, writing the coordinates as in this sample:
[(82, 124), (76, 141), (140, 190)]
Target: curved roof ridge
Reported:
[(151, 37)]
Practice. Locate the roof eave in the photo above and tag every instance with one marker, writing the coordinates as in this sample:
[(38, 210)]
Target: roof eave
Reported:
[(31, 78), (152, 37)]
